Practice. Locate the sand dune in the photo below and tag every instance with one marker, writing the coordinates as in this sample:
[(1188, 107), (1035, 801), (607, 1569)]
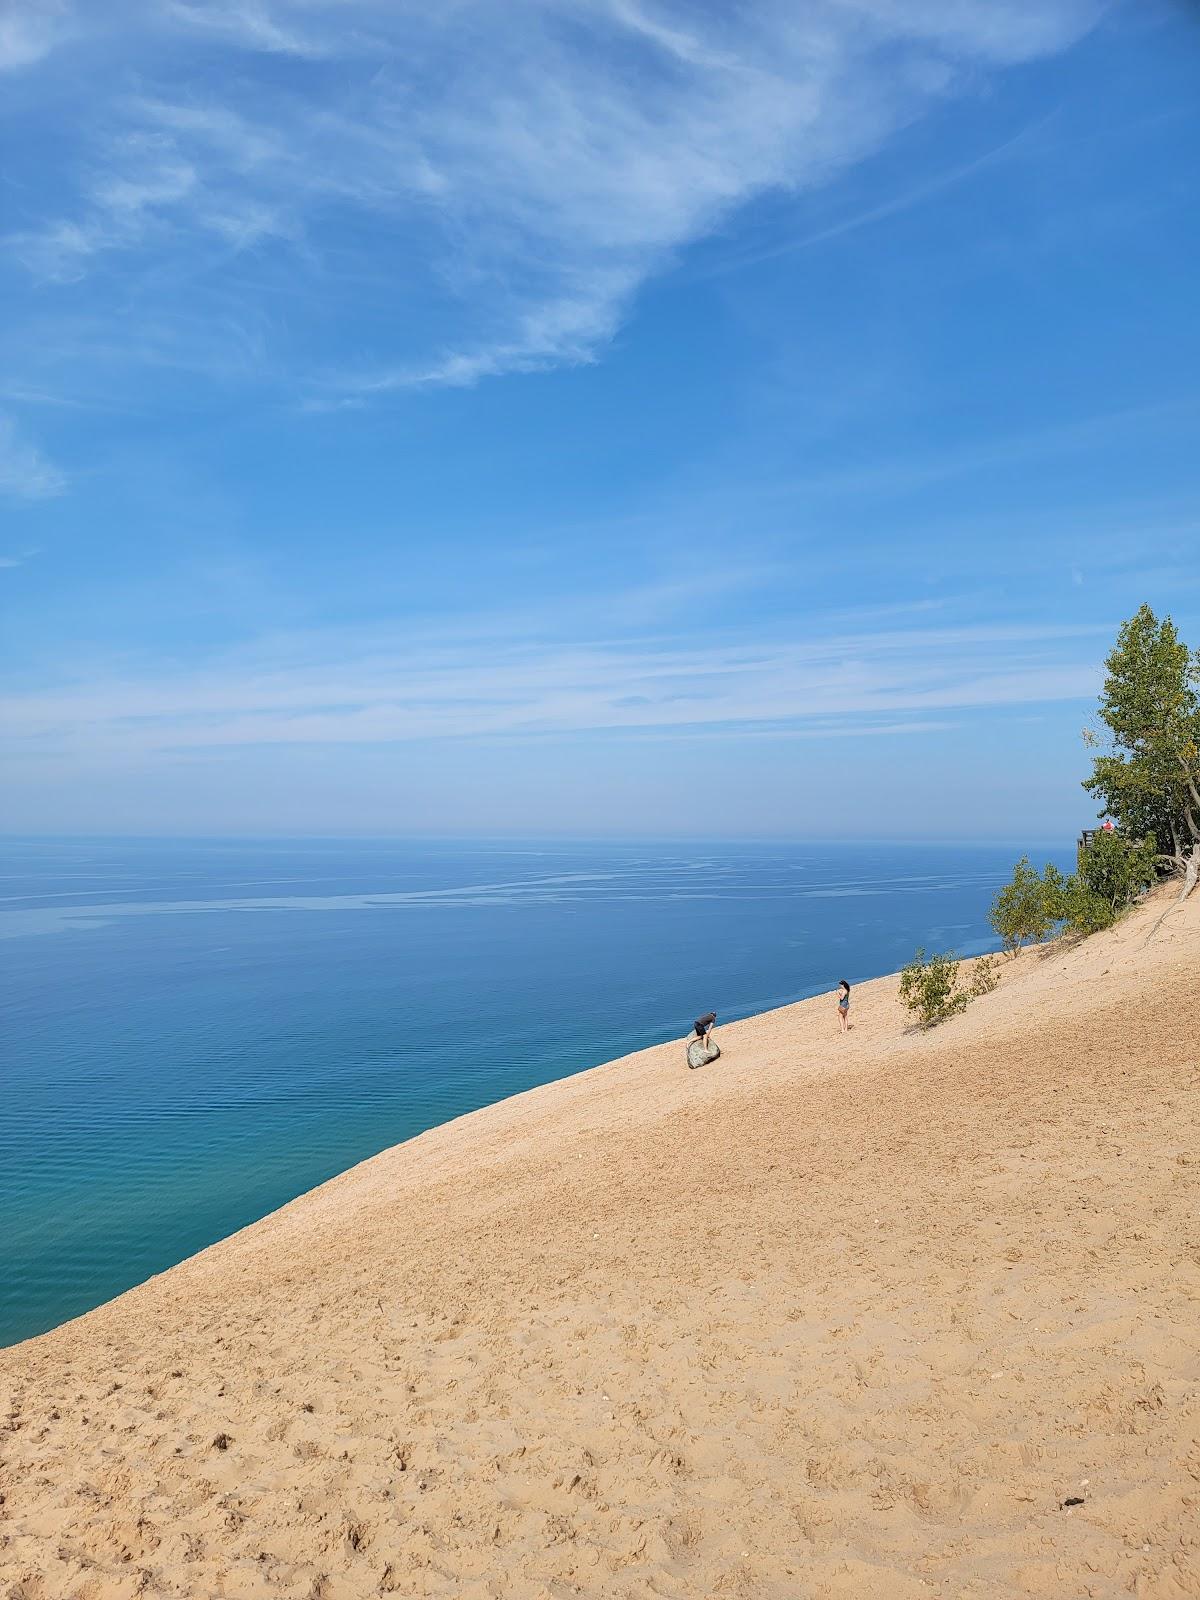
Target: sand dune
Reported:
[(833, 1317)]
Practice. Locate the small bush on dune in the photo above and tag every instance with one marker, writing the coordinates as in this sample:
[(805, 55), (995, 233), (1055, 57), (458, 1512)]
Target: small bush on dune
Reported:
[(1054, 895), (929, 988), (984, 977), (1084, 911)]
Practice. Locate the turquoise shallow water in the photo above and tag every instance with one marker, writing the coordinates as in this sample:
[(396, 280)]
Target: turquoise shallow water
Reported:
[(197, 1031)]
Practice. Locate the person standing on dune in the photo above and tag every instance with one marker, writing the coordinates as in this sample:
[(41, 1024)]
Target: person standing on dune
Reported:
[(843, 1005)]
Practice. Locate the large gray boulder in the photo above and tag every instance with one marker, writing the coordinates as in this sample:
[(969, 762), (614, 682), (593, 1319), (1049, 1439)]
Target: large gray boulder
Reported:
[(700, 1054)]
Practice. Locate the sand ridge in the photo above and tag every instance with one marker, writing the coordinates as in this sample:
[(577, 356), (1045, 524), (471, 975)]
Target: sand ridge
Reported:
[(833, 1317)]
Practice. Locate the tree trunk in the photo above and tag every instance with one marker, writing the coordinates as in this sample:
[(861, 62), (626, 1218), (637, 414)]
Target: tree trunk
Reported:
[(1191, 872)]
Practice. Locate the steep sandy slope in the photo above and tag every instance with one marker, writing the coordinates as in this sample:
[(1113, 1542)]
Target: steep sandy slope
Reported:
[(833, 1317)]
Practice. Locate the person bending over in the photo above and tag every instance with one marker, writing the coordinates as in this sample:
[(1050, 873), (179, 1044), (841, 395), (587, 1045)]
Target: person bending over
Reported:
[(704, 1027)]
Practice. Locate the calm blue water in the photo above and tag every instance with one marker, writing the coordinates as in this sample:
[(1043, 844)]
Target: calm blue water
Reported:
[(196, 1032)]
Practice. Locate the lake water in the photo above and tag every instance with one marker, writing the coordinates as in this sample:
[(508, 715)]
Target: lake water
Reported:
[(195, 1032)]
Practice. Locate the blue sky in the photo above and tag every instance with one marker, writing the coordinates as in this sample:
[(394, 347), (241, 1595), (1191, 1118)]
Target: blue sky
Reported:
[(588, 418)]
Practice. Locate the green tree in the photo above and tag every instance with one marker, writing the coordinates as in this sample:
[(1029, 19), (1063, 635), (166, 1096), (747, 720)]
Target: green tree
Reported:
[(1028, 906), (1054, 893), (1116, 869), (1112, 873), (1148, 776), (1085, 911), (929, 988)]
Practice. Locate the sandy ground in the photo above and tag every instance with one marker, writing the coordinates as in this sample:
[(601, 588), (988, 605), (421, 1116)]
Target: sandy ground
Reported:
[(832, 1317)]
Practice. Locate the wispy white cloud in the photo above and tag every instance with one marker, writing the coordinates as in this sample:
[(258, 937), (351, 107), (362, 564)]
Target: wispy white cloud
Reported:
[(509, 176), (918, 469), (25, 473), (125, 205), (247, 24), (1003, 33), (29, 30), (338, 690), (895, 205)]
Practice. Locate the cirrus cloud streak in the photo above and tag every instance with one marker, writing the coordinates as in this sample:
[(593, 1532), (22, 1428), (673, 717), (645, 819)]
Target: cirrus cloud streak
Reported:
[(472, 191), (328, 692)]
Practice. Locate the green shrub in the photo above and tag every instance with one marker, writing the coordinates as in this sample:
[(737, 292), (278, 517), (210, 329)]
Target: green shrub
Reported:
[(1028, 906), (929, 988), (1112, 872), (1085, 911), (984, 977), (1055, 890), (1116, 869)]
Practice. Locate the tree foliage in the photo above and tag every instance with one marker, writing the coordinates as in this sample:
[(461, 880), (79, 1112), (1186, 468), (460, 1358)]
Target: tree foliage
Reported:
[(1024, 911), (1116, 869), (984, 976), (1148, 777), (929, 988), (1113, 871), (1085, 911)]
